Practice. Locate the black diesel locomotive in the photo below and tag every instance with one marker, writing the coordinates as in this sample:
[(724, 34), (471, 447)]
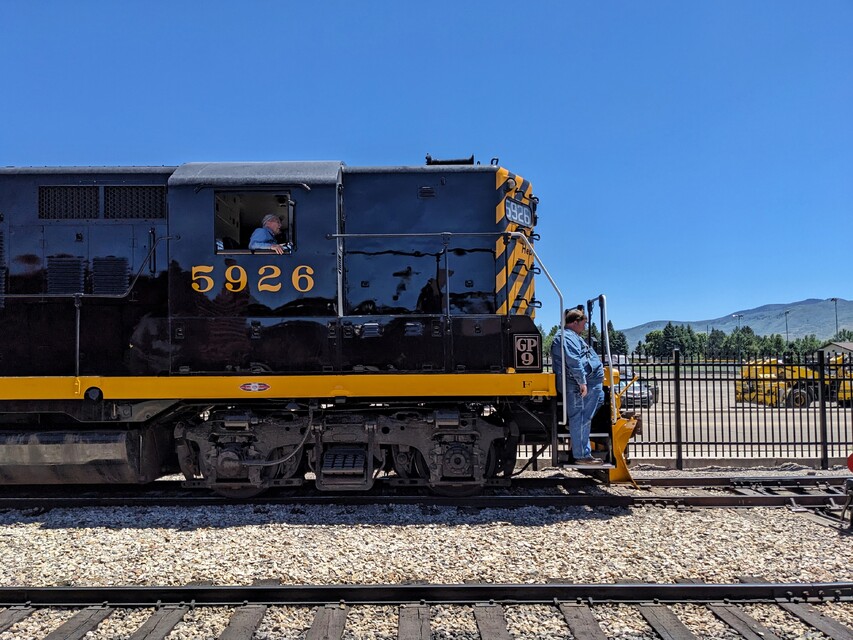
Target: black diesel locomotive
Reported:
[(140, 335)]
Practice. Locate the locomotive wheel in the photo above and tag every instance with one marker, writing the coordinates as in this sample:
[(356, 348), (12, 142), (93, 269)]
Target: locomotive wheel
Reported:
[(239, 493), (406, 465), (467, 491), (286, 469), (289, 467)]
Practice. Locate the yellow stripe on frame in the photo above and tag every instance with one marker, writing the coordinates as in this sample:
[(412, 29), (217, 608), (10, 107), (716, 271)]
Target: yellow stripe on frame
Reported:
[(417, 385)]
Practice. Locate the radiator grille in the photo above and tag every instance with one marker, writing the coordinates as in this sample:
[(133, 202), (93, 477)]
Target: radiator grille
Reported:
[(68, 203), (110, 275), (65, 274), (135, 202)]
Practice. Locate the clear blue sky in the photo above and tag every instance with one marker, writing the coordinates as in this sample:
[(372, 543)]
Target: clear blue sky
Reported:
[(692, 158)]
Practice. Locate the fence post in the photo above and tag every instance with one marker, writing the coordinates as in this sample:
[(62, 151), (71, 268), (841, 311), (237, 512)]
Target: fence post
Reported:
[(822, 399), (679, 452)]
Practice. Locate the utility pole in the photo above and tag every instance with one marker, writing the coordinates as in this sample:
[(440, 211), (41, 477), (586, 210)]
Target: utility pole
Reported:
[(787, 339)]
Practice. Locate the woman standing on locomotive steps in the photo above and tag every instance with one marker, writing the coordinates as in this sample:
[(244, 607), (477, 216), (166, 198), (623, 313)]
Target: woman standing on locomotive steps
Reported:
[(584, 380)]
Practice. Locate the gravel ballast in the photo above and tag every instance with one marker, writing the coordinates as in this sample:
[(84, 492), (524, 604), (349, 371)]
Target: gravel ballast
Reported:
[(378, 544)]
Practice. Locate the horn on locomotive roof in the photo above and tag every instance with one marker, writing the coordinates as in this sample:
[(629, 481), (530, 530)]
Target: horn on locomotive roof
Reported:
[(430, 160)]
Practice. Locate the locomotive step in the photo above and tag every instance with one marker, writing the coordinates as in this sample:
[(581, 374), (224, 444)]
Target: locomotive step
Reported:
[(572, 465), (567, 462)]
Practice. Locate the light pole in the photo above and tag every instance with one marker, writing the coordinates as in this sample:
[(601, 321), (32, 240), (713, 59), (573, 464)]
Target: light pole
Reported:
[(738, 316), (787, 339), (835, 300)]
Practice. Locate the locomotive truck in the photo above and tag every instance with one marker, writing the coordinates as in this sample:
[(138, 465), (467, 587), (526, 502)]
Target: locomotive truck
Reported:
[(139, 336)]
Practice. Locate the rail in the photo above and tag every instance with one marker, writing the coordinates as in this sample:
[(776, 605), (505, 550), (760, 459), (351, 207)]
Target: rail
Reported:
[(576, 602), (730, 603), (389, 594), (820, 494)]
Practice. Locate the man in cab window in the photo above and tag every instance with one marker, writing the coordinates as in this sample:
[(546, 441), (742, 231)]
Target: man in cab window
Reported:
[(264, 237)]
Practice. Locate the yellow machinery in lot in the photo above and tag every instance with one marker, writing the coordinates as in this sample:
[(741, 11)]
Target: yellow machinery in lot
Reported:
[(845, 391), (777, 384)]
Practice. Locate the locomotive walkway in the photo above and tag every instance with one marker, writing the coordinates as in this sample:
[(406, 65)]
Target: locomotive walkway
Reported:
[(575, 602)]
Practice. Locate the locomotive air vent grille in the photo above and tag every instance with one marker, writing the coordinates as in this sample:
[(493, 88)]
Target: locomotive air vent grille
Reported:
[(68, 203), (371, 330), (426, 192), (110, 275), (65, 274), (413, 329), (2, 249), (135, 202)]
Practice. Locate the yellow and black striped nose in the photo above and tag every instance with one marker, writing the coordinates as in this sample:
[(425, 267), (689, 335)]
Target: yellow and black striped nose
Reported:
[(514, 283)]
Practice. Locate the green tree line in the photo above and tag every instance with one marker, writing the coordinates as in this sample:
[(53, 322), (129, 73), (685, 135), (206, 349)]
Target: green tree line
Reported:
[(741, 341)]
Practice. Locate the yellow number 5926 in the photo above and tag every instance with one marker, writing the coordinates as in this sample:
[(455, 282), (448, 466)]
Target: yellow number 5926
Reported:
[(236, 278)]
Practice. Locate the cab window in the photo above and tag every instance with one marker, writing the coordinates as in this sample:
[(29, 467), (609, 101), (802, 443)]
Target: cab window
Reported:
[(238, 213)]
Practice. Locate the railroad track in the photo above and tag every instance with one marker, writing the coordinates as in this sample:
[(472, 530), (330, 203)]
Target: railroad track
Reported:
[(174, 489), (825, 499), (330, 605)]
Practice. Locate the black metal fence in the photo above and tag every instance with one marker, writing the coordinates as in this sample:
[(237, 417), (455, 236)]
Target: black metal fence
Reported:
[(724, 411)]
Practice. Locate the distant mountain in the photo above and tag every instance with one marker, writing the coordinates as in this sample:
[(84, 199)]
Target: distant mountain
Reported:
[(804, 318)]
